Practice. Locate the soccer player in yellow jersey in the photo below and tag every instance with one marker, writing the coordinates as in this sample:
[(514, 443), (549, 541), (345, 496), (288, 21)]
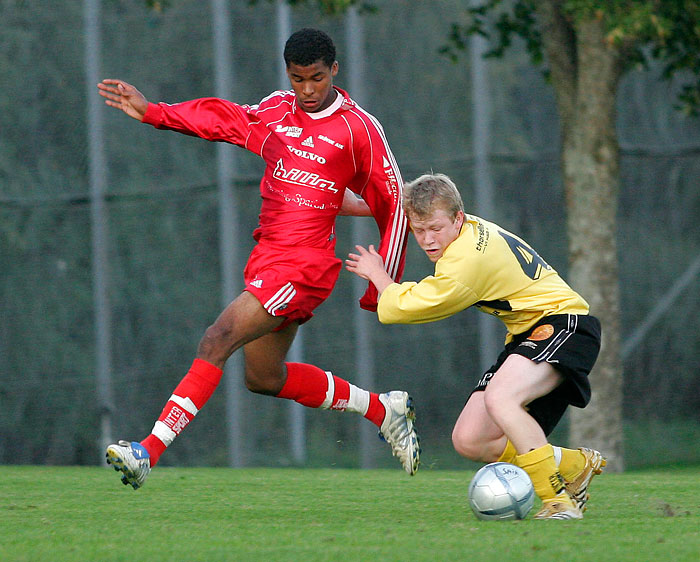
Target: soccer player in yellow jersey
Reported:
[(551, 345)]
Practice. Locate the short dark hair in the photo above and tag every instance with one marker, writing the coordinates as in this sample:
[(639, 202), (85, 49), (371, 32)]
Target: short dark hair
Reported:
[(307, 46)]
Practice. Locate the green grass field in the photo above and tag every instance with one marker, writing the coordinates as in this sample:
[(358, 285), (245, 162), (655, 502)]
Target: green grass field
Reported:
[(210, 514)]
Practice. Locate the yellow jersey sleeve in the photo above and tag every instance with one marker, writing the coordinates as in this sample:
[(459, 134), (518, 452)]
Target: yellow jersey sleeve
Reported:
[(488, 267), (434, 298)]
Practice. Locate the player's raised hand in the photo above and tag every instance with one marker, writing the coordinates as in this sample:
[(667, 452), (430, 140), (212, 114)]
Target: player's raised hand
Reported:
[(124, 96), (368, 264)]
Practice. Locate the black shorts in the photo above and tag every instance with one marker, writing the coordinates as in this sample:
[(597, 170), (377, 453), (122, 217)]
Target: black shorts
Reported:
[(570, 343)]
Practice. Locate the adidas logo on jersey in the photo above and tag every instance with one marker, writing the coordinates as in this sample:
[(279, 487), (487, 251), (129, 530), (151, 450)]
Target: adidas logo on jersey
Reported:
[(309, 141), (256, 283)]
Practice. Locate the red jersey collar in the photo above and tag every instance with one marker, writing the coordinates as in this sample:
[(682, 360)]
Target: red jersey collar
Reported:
[(347, 102)]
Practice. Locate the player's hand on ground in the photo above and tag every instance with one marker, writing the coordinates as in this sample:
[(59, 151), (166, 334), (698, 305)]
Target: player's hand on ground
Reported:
[(124, 96)]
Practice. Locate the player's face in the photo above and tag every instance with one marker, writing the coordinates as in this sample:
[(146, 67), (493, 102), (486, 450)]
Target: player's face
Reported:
[(436, 232), (313, 85)]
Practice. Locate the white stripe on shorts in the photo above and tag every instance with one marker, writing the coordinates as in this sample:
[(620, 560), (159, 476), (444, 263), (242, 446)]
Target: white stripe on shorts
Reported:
[(280, 299), (558, 340)]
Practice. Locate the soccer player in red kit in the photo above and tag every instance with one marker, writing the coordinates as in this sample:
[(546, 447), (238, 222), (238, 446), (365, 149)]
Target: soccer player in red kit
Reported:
[(319, 146)]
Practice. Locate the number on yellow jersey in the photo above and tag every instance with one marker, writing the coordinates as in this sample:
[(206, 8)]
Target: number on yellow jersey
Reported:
[(529, 260)]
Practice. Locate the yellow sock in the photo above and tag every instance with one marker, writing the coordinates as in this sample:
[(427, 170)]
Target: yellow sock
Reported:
[(540, 466), (508, 454), (572, 463)]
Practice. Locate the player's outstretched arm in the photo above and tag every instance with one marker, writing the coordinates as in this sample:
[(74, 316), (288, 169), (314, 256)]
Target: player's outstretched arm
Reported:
[(368, 264), (124, 96)]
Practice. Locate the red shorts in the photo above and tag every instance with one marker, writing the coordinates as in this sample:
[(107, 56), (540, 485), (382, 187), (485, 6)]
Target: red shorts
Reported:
[(289, 281)]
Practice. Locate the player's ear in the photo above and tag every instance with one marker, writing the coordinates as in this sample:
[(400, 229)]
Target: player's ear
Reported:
[(334, 68), (459, 219)]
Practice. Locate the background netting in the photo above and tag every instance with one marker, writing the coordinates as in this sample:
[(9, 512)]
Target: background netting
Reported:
[(163, 231)]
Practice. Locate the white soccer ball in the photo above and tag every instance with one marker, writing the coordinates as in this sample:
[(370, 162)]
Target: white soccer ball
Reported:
[(501, 491)]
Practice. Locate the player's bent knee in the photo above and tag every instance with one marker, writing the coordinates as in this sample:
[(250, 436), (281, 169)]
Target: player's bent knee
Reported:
[(270, 386), (214, 345), (498, 405), (215, 335), (465, 446)]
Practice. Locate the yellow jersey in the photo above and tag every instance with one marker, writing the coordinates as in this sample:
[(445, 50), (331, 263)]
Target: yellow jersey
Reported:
[(488, 267)]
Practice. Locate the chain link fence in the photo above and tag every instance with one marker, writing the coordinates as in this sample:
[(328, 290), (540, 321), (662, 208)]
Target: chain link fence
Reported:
[(164, 274)]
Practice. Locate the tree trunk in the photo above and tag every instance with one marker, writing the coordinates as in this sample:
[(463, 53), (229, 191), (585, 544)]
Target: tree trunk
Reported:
[(590, 160), (585, 72)]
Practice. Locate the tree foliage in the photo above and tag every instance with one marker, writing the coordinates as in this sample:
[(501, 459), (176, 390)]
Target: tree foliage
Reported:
[(641, 30)]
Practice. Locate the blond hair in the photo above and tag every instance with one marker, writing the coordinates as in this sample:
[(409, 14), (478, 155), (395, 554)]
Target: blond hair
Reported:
[(429, 192)]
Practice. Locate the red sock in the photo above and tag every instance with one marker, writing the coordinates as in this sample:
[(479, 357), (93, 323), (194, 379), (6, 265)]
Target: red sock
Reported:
[(312, 387), (376, 411), (187, 399), (305, 384)]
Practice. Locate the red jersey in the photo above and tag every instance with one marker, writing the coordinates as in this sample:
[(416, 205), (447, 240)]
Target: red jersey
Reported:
[(309, 163)]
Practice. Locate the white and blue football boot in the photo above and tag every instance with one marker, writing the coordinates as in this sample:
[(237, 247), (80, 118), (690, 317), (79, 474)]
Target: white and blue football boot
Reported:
[(132, 460)]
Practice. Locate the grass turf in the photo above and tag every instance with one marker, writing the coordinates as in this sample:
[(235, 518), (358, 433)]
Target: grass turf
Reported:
[(210, 514)]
